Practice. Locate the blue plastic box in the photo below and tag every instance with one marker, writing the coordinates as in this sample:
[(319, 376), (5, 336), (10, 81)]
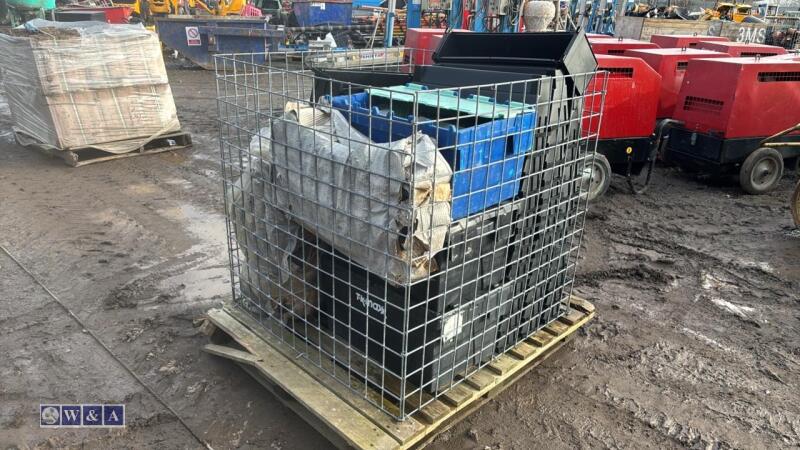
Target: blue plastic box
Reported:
[(310, 13), (485, 173)]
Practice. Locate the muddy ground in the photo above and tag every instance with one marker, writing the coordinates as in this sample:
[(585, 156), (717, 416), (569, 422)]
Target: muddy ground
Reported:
[(695, 344)]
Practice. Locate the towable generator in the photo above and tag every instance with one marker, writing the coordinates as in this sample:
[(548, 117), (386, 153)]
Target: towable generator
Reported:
[(683, 40), (738, 115), (629, 115), (671, 64), (617, 46), (742, 49)]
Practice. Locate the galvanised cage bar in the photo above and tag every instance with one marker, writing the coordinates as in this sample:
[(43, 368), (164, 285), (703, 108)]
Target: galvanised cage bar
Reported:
[(397, 231)]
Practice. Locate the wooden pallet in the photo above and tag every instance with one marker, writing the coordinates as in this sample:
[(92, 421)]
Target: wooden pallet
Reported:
[(346, 418), (77, 157)]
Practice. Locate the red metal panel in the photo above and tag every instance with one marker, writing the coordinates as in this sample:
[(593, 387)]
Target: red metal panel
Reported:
[(420, 39), (683, 40), (742, 48), (670, 63), (114, 14), (436, 40), (740, 97), (631, 97), (598, 36), (617, 47)]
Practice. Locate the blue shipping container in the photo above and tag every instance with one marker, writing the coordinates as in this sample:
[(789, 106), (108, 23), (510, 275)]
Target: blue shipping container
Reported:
[(360, 3), (216, 35), (487, 158), (310, 13)]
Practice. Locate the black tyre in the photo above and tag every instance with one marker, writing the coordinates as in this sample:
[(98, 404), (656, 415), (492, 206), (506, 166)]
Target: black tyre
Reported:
[(598, 176), (761, 171)]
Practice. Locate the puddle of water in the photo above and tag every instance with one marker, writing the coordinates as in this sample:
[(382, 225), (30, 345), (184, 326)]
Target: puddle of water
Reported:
[(201, 283), (208, 228), (141, 189), (179, 182), (115, 222), (203, 157), (209, 275)]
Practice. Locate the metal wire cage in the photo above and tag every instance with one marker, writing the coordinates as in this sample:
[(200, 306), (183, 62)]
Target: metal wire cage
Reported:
[(400, 235)]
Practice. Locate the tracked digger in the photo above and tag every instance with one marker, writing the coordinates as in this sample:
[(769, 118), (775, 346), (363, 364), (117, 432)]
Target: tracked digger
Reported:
[(145, 10)]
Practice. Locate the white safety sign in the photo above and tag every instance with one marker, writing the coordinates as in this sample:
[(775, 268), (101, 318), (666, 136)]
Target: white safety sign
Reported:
[(192, 36)]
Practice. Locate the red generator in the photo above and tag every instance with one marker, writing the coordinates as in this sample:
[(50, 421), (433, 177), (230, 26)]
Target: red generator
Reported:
[(629, 116), (114, 14), (617, 46), (671, 64), (422, 44), (598, 36), (738, 114), (743, 49), (683, 40)]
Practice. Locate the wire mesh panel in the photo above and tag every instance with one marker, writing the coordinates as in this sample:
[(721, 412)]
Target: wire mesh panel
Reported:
[(783, 34), (398, 232)]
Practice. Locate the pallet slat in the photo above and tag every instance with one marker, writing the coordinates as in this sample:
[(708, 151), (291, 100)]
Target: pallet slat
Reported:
[(582, 305), (540, 338), (556, 328), (434, 411), (503, 364), (458, 395), (480, 379), (523, 350), (572, 317), (231, 353)]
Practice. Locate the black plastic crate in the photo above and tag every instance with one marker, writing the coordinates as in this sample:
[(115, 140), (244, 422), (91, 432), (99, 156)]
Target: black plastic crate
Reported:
[(546, 214), (361, 310), (544, 169), (527, 318), (546, 53), (537, 295), (475, 259)]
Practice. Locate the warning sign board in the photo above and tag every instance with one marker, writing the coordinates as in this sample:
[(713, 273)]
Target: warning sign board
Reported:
[(192, 36)]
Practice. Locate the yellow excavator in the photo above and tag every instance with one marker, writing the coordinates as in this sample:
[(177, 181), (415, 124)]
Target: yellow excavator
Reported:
[(147, 9), (735, 12)]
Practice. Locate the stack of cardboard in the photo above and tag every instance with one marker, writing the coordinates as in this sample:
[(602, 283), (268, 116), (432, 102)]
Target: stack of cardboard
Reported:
[(95, 86)]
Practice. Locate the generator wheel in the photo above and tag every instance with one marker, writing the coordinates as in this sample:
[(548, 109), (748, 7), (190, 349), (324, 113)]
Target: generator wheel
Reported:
[(761, 171), (598, 173), (794, 205)]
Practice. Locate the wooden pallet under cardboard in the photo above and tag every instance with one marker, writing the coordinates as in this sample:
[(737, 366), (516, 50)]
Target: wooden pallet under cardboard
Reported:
[(346, 418), (82, 156)]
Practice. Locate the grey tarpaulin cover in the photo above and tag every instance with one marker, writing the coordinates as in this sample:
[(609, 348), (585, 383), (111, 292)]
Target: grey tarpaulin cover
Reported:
[(87, 84), (353, 199)]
